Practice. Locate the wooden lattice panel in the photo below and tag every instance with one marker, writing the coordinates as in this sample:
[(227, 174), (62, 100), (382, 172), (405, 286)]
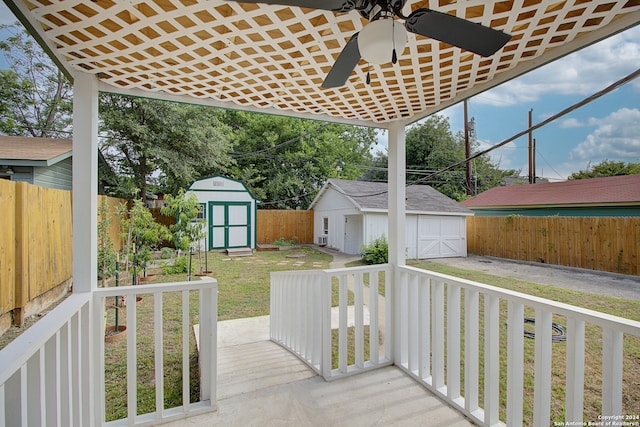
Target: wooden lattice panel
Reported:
[(275, 56)]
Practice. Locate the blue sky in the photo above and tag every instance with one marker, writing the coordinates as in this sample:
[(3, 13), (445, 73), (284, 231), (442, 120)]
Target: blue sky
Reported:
[(608, 128)]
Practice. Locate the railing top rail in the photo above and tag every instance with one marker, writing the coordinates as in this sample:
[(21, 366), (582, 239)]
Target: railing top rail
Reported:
[(334, 271), (604, 320), (160, 287), (16, 354)]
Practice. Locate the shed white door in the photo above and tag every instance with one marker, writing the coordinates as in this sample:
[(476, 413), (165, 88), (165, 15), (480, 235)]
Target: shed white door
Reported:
[(440, 237), (353, 237), (229, 225)]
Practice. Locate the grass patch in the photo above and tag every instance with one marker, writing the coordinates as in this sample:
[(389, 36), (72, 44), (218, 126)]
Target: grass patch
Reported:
[(629, 309)]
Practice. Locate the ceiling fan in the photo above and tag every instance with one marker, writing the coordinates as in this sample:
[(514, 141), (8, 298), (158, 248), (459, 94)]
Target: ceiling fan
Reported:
[(384, 38)]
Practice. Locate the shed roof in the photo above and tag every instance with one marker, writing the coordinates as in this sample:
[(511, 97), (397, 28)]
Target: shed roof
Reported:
[(373, 196), (29, 151), (606, 190), (274, 58)]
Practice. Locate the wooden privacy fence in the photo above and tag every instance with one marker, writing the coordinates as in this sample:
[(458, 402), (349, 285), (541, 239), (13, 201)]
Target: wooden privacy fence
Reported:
[(595, 243), (35, 243), (110, 205), (275, 224)]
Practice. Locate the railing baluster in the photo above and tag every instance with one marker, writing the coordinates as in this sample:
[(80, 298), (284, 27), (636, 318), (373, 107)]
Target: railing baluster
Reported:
[(515, 363), (210, 316), (471, 349), (542, 367), (43, 386), (132, 357), (325, 302), (358, 301), (453, 341), (56, 403), (424, 329), (437, 343), (68, 377), (491, 359), (374, 332), (186, 323), (412, 324), (575, 371), (612, 347), (403, 306), (24, 399), (342, 329), (388, 314)]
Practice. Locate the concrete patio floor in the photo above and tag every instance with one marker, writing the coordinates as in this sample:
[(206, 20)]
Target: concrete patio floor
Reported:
[(262, 384)]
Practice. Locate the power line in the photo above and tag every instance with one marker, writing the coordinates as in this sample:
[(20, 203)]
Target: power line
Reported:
[(545, 122)]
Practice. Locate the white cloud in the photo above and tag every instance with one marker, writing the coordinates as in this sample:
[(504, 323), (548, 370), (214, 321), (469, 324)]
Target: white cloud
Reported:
[(581, 73), (617, 137), (570, 123)]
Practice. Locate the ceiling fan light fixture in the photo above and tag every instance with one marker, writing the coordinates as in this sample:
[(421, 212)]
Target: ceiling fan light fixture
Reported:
[(378, 39)]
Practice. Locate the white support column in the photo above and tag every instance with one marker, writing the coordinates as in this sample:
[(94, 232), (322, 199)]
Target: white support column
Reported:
[(397, 207), (85, 182), (397, 193)]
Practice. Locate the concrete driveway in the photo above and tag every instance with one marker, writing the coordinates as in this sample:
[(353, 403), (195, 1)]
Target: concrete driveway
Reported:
[(579, 279)]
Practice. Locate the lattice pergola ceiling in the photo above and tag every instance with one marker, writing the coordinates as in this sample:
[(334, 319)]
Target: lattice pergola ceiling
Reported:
[(268, 58)]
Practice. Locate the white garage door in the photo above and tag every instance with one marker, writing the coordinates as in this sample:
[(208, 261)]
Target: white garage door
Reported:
[(440, 237)]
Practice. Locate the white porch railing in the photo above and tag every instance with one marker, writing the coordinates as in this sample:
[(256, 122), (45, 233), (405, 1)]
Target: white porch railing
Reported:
[(303, 304), (448, 334), (54, 373), (440, 323)]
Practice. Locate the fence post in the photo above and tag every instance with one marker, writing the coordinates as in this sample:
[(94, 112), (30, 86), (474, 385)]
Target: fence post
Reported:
[(21, 253)]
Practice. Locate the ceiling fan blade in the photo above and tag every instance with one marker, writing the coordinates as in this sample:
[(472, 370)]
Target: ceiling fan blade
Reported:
[(456, 31), (333, 5), (344, 65)]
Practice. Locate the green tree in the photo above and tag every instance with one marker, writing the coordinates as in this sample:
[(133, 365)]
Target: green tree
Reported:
[(140, 233), (187, 230), (285, 161), (607, 168), (432, 147), (35, 97), (144, 138)]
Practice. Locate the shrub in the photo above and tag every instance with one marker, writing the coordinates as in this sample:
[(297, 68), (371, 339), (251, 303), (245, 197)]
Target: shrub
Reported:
[(166, 253), (180, 265), (377, 252)]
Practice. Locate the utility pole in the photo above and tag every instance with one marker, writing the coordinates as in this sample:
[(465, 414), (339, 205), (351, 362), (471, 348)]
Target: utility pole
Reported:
[(533, 159), (467, 150), (531, 171)]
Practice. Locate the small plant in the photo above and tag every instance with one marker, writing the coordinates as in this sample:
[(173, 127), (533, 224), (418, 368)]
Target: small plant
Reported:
[(284, 242), (180, 265), (377, 252), (166, 253)]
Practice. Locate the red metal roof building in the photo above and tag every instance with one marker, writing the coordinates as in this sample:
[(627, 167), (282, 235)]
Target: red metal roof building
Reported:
[(608, 196)]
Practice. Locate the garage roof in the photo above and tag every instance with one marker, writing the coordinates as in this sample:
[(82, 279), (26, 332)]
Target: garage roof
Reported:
[(274, 58), (372, 196)]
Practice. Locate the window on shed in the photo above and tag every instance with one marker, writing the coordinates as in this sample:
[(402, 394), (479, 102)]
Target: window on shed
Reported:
[(325, 226), (201, 212)]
